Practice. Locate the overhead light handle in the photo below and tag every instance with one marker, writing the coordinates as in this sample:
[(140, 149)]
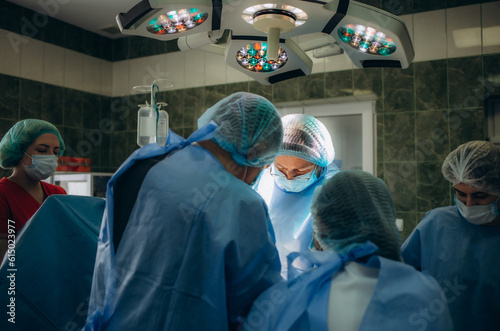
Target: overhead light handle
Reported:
[(273, 40)]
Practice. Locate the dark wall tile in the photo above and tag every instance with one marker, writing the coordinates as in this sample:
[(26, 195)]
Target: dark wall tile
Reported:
[(120, 142), (121, 48), (369, 82), (287, 90), (432, 136), (5, 126), (432, 189), (426, 5), (237, 87), (33, 24), (466, 125), (187, 107), (121, 109), (138, 46), (30, 99), (54, 32), (91, 110), (312, 87), (107, 49), (9, 97), (104, 149), (399, 137), (171, 46), (155, 47), (52, 104), (380, 138), (263, 90), (400, 7), (74, 142), (466, 86), (398, 90), (92, 45), (175, 108), (142, 46), (431, 85), (10, 15), (72, 105), (401, 179), (74, 38), (338, 84), (213, 94)]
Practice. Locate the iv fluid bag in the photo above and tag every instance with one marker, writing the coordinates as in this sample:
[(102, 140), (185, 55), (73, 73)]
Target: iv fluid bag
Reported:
[(162, 134), (146, 126)]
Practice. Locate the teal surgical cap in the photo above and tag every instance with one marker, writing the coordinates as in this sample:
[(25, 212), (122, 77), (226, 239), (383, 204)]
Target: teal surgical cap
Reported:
[(15, 142), (249, 128), (476, 164), (307, 138), (353, 207)]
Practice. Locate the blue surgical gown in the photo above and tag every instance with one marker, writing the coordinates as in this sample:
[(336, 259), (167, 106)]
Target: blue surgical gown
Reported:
[(195, 254), (53, 262), (463, 258), (289, 211), (404, 299)]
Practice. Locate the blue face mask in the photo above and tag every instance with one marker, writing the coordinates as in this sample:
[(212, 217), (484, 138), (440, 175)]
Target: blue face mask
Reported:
[(478, 214), (296, 184), (42, 166)]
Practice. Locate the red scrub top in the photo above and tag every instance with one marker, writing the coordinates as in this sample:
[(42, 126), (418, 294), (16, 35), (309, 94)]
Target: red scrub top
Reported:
[(18, 205)]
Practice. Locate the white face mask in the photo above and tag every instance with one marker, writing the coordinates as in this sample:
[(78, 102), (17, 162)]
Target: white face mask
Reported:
[(42, 166), (296, 184), (478, 214)]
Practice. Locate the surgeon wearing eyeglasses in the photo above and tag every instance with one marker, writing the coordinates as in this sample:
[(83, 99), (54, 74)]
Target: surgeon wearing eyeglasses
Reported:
[(458, 245), (306, 159)]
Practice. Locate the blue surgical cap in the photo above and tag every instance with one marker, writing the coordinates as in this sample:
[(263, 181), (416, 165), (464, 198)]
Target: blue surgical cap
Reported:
[(307, 138), (15, 142), (353, 207), (476, 164), (249, 128)]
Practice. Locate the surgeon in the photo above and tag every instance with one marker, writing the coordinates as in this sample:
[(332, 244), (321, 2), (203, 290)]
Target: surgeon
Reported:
[(304, 162), (360, 282), (186, 243), (458, 245)]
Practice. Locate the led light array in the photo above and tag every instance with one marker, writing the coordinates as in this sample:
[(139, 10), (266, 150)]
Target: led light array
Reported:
[(367, 40), (253, 57), (177, 21)]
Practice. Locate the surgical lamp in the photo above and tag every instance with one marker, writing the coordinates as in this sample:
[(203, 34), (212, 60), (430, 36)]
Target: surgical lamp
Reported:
[(263, 36)]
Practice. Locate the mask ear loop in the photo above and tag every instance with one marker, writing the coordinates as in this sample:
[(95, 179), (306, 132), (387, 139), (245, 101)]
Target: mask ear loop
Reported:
[(31, 157), (245, 175)]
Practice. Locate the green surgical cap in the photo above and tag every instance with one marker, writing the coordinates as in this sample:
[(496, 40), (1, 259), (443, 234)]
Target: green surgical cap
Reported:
[(249, 128), (353, 207), (15, 142), (476, 164), (307, 138)]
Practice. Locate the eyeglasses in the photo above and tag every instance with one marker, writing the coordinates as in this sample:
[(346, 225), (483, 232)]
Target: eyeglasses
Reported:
[(276, 173)]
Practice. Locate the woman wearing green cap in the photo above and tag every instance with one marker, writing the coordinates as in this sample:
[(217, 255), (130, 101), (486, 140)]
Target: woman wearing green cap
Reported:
[(31, 149)]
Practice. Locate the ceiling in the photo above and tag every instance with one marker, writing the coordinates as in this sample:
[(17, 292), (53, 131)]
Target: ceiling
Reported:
[(91, 15)]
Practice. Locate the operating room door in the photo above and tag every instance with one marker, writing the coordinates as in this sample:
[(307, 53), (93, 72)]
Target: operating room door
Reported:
[(352, 128)]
